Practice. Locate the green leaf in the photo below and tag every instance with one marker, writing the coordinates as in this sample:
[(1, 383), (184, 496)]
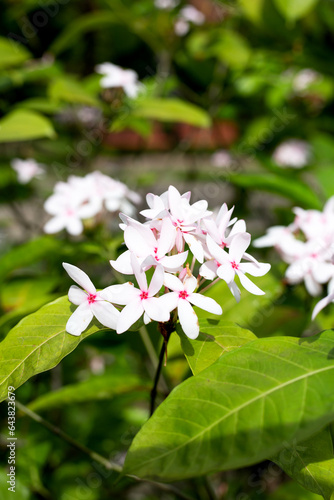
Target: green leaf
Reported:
[(289, 187), (25, 125), (80, 26), (171, 110), (293, 491), (68, 90), (252, 310), (215, 338), (27, 253), (240, 410), (38, 343), (295, 9), (253, 9), (12, 53), (311, 463), (96, 388), (41, 104)]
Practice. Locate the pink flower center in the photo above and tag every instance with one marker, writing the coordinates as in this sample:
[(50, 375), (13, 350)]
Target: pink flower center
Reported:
[(234, 265), (314, 255), (91, 298), (183, 295), (223, 244), (143, 295)]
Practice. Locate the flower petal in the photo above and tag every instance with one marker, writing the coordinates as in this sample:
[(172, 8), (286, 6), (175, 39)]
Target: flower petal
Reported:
[(129, 315), (167, 237), (79, 320), (140, 240), (76, 295), (172, 263), (188, 319), (217, 253), (254, 269), (249, 285), (79, 277), (157, 281), (169, 301), (205, 303), (226, 272), (119, 294), (175, 203), (105, 313), (173, 283), (321, 304), (139, 273), (190, 283), (155, 309), (239, 245), (195, 246), (209, 270)]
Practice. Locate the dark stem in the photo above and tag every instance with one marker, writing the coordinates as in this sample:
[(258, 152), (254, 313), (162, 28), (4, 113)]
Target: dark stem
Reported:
[(163, 352)]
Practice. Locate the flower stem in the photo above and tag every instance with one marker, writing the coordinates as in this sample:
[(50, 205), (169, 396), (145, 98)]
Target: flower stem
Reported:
[(55, 430), (209, 286), (162, 355)]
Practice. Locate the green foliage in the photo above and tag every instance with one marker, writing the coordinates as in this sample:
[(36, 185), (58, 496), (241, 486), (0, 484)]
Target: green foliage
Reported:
[(311, 463), (239, 410), (38, 343), (24, 125), (215, 339), (171, 110), (12, 53), (294, 9)]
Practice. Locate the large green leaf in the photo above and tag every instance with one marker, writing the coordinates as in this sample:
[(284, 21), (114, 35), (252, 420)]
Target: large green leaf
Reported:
[(294, 9), (171, 110), (215, 338), (68, 90), (39, 342), (253, 9), (240, 410), (293, 491), (311, 463), (95, 388), (12, 53), (289, 187), (25, 125)]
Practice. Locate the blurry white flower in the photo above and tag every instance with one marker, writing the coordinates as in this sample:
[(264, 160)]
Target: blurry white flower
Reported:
[(189, 14), (221, 159), (82, 198), (292, 153), (115, 76), (304, 78), (26, 169), (166, 4)]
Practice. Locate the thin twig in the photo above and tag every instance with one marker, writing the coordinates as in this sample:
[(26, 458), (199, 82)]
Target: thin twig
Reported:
[(152, 354), (56, 430), (157, 376), (209, 286)]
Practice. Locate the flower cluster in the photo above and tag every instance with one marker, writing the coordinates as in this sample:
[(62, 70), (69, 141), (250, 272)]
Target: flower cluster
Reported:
[(188, 15), (293, 153), (27, 170), (82, 198), (117, 77), (307, 245), (175, 235)]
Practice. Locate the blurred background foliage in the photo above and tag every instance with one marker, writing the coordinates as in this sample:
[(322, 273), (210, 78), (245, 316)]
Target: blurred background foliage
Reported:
[(251, 76)]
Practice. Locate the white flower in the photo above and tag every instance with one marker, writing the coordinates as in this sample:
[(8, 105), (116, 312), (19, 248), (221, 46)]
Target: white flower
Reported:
[(166, 4), (222, 159), (91, 303), (229, 264), (322, 304), (189, 14), (183, 297), (27, 169), (292, 153), (114, 76), (304, 78), (150, 250), (140, 301)]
